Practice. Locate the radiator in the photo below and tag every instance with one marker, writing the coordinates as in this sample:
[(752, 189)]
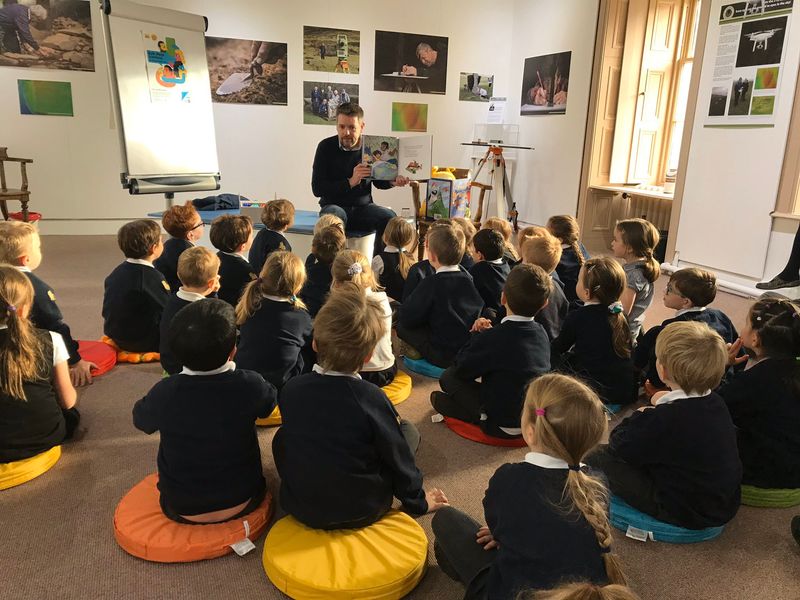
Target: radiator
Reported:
[(655, 210)]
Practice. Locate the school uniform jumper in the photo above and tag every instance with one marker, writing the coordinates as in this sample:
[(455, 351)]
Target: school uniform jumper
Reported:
[(135, 296), (167, 263), (318, 285), (265, 243), (341, 454), (45, 314), (170, 362), (234, 274), (766, 411), (568, 269), (416, 274), (208, 457), (489, 278), (585, 347), (387, 267), (552, 316)]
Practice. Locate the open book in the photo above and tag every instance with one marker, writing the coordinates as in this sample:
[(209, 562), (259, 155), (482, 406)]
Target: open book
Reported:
[(391, 156)]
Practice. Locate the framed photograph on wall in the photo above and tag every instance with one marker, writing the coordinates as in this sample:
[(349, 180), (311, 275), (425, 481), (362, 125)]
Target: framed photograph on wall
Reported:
[(246, 71), (410, 62), (331, 50), (322, 98), (545, 84)]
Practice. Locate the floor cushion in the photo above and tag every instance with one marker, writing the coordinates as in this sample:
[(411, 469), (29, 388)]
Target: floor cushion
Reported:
[(476, 434), (144, 531), (423, 367), (383, 561), (20, 471), (770, 498), (624, 517), (103, 355), (400, 388), (123, 356), (272, 420)]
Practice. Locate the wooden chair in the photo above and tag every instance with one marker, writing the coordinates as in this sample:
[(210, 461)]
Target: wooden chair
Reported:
[(22, 194), (423, 224)]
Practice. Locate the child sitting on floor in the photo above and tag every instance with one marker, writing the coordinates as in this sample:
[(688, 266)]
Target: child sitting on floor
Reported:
[(353, 266), (468, 227), (275, 326), (764, 399), (677, 461), (198, 271), (503, 227), (232, 236), (327, 243), (392, 264), (209, 462), (136, 292), (546, 517), (185, 227), (37, 400), (595, 340), (634, 242), (423, 268), (565, 229), (688, 293), (490, 270), (545, 252), (21, 246), (505, 357), (343, 452), (436, 318), (277, 216)]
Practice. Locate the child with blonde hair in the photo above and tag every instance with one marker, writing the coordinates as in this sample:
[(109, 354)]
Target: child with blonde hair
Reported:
[(544, 250), (546, 517), (326, 220), (277, 216), (185, 227), (423, 268), (565, 229), (468, 227), (503, 227), (392, 264), (595, 341), (274, 325), (37, 400), (634, 242), (352, 266)]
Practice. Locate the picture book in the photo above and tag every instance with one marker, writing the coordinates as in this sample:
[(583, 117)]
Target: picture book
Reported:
[(391, 157)]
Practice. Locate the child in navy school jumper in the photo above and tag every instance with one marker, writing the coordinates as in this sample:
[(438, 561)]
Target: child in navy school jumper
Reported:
[(677, 460), (595, 340), (274, 325), (764, 398), (136, 292), (436, 318), (689, 292), (342, 451), (467, 226), (634, 242), (324, 247), (392, 264), (209, 462), (503, 227), (423, 268), (352, 266), (574, 254), (21, 247), (185, 227), (490, 270), (505, 357), (232, 236), (37, 400), (198, 272), (545, 251), (546, 517), (277, 216)]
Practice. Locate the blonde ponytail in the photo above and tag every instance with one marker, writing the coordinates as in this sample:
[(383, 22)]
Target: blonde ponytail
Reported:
[(401, 234), (283, 275)]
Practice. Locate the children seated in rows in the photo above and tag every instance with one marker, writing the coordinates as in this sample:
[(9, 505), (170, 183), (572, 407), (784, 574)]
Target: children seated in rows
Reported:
[(37, 400), (185, 227), (21, 247), (436, 318), (503, 227), (232, 236), (490, 270), (392, 264), (198, 272), (677, 461), (688, 293), (546, 517), (209, 462), (764, 399), (325, 245), (277, 216), (352, 266), (634, 242), (595, 340), (565, 229), (136, 292), (343, 452), (545, 251), (505, 357), (275, 326)]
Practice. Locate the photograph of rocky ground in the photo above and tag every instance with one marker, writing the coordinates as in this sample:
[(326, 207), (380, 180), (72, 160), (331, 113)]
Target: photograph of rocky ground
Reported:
[(258, 67)]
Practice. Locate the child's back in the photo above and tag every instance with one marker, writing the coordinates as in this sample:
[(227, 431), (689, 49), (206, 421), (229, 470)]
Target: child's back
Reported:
[(184, 225), (234, 274), (277, 216), (489, 278), (167, 263), (569, 266), (327, 243), (416, 274), (231, 235)]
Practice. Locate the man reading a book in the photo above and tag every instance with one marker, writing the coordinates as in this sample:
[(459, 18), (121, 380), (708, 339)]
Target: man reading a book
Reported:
[(341, 180)]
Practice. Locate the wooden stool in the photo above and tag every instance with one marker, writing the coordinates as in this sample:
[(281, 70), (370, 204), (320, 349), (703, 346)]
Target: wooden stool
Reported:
[(22, 194)]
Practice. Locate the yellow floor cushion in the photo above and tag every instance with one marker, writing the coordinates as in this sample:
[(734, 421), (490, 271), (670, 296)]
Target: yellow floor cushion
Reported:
[(142, 529), (400, 388), (20, 471), (383, 561), (272, 420)]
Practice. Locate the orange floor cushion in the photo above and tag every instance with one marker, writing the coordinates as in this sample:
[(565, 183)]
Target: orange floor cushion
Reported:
[(272, 420), (123, 356), (476, 434), (144, 531), (20, 471), (103, 355)]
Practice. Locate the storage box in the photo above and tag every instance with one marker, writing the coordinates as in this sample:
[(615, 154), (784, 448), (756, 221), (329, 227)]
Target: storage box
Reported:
[(252, 209), (448, 198)]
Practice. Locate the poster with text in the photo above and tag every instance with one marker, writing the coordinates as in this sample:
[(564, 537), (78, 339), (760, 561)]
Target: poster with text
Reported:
[(750, 53), (322, 98), (545, 84), (167, 70), (247, 71), (331, 50)]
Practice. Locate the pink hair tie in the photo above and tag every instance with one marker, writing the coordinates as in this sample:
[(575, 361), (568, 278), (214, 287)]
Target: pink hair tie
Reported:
[(540, 412)]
